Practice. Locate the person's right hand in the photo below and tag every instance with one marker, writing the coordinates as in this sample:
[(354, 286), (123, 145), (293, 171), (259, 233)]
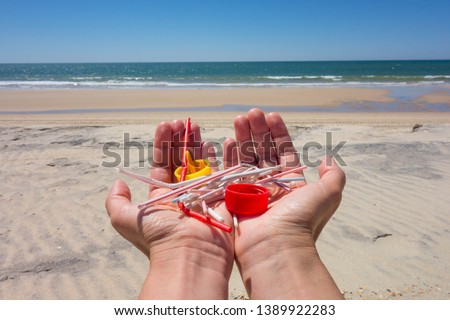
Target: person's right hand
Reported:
[(276, 251), (189, 260)]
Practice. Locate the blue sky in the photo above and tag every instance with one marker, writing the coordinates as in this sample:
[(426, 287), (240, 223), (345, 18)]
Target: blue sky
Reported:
[(232, 30)]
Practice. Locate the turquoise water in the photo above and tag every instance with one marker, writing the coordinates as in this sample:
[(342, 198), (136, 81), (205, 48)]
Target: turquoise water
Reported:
[(225, 74)]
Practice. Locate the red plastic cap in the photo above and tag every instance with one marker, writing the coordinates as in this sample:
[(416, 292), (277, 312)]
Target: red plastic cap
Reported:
[(246, 199)]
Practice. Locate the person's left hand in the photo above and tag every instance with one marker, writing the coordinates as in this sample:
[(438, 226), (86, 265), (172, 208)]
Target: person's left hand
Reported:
[(174, 242)]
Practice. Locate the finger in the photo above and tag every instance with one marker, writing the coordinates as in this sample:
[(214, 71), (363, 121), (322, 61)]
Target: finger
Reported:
[(285, 150), (162, 153), (118, 204), (332, 182), (178, 142), (195, 142), (209, 153), (230, 153), (332, 178), (262, 140), (124, 216), (245, 148)]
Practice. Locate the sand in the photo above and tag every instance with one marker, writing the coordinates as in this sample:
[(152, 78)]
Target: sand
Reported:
[(388, 240), (438, 96), (41, 100)]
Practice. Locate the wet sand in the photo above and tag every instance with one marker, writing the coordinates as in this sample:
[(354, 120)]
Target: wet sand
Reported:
[(43, 100)]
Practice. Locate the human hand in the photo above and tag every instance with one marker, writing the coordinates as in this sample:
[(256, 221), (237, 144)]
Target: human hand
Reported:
[(181, 250), (276, 251)]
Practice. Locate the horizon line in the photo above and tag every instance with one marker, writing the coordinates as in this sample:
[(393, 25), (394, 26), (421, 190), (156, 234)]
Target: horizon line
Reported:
[(227, 61)]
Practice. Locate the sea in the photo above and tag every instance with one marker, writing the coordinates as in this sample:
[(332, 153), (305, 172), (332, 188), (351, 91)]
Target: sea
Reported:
[(224, 74), (405, 80)]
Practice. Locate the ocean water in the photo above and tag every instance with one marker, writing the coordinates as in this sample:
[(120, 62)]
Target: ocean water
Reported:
[(390, 74)]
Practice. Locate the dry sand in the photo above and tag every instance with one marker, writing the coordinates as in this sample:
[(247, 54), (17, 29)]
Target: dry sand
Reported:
[(388, 240)]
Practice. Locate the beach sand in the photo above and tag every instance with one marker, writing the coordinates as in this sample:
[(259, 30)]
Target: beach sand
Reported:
[(43, 100), (389, 238)]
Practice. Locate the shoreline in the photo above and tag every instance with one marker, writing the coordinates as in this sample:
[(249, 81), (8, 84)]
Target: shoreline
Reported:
[(76, 102)]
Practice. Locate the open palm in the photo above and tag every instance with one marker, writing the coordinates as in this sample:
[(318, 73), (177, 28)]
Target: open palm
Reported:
[(162, 228), (295, 218)]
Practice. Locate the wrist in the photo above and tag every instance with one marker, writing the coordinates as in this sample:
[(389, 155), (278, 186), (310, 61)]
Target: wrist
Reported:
[(287, 271), (271, 246), (187, 273)]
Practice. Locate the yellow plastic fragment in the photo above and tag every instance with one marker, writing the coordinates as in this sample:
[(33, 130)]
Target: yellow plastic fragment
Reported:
[(196, 168)]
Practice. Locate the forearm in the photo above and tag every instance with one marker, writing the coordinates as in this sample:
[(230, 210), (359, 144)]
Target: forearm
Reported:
[(189, 274), (289, 274)]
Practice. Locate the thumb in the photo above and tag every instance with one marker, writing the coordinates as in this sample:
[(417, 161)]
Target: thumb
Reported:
[(332, 177), (332, 182), (118, 203)]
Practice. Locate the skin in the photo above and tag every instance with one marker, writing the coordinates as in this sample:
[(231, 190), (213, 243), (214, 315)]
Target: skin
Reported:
[(275, 252), (188, 259)]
